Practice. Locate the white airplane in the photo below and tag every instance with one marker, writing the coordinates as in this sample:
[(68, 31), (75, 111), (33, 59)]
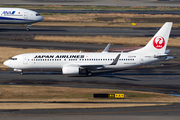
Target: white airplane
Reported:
[(74, 63), (19, 16)]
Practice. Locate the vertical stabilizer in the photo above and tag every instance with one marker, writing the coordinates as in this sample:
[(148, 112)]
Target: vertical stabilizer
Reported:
[(157, 45)]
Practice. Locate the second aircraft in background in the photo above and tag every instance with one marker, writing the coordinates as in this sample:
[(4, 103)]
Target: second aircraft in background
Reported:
[(19, 16)]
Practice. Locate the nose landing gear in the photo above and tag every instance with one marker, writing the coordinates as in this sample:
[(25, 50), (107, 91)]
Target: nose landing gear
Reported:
[(28, 25)]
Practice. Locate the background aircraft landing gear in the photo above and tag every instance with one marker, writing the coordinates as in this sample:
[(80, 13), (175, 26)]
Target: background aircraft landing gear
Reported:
[(88, 73), (28, 25)]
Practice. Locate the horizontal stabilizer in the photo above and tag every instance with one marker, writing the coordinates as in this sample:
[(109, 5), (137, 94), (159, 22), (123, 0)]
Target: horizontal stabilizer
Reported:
[(162, 55), (167, 51), (169, 57)]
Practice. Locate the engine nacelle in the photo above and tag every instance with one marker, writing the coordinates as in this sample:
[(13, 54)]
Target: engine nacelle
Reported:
[(70, 70), (17, 70)]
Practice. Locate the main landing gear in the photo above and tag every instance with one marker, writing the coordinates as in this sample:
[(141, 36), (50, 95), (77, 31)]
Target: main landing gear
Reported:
[(88, 73), (21, 72), (28, 25)]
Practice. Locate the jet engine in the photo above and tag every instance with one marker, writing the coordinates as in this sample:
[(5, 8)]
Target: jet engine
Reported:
[(70, 70)]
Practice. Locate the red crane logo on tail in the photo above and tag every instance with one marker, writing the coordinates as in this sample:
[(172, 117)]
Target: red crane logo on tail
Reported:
[(158, 42)]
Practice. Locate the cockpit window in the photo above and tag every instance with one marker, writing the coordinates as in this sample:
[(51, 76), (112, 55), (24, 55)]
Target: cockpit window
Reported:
[(13, 58), (37, 14)]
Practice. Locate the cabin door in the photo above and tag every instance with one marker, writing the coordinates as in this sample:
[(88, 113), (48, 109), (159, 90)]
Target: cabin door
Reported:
[(25, 15), (25, 60), (141, 59)]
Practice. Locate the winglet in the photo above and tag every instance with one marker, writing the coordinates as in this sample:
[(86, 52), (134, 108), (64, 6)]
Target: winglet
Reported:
[(115, 60), (106, 49)]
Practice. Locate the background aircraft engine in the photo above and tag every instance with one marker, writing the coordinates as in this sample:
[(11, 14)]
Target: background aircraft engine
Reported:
[(70, 70)]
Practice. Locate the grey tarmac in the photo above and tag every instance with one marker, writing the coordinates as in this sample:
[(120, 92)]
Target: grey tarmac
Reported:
[(154, 12), (55, 45), (9, 31), (169, 112)]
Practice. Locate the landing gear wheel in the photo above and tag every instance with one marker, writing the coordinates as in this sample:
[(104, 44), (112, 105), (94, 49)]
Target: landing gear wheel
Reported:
[(28, 25), (88, 73), (21, 73)]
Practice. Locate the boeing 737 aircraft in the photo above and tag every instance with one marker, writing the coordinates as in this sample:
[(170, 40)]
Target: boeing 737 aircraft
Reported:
[(74, 63), (19, 16)]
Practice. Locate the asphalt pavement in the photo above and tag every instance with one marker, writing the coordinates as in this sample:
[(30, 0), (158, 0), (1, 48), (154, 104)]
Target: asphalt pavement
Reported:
[(7, 31), (169, 112), (153, 12)]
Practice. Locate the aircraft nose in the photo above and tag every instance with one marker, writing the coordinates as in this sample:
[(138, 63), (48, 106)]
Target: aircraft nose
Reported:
[(41, 18), (7, 63)]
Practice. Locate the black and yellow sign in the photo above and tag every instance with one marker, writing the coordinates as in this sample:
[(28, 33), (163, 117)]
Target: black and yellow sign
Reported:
[(116, 96)]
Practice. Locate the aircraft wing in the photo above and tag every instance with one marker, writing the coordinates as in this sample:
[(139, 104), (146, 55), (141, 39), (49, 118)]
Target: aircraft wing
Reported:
[(95, 66)]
